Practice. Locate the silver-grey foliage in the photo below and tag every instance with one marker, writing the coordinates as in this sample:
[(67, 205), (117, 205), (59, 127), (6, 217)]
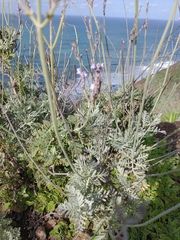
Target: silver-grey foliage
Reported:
[(6, 231), (105, 187)]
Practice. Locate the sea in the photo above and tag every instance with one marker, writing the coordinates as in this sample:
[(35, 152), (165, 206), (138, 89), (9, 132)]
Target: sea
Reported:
[(115, 35)]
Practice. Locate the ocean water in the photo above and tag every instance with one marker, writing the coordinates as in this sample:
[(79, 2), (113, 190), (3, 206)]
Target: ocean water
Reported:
[(117, 32)]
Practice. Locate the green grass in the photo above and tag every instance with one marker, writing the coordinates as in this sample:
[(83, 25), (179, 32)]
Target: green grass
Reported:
[(169, 100)]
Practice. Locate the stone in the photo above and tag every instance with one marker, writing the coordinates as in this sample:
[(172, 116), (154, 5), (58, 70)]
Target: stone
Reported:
[(41, 233), (50, 224)]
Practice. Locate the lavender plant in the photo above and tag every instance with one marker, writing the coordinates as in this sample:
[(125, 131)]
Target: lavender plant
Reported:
[(8, 44), (91, 162), (7, 232)]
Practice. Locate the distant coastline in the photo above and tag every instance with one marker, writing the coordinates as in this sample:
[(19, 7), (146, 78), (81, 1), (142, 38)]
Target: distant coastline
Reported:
[(115, 35)]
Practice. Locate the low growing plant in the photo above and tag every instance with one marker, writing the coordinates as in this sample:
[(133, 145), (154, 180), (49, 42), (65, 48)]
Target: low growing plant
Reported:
[(170, 117), (6, 231), (87, 161), (162, 193)]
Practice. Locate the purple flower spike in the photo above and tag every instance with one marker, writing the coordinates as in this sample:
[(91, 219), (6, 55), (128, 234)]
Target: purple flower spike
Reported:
[(83, 74), (97, 68)]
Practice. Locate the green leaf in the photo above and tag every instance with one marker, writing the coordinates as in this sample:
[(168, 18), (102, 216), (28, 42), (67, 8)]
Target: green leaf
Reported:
[(29, 203), (165, 237), (55, 231), (42, 198), (50, 206), (6, 206)]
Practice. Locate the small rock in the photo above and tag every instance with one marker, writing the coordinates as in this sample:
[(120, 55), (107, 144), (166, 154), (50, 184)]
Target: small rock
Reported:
[(16, 208), (50, 224), (52, 238), (82, 236), (41, 233)]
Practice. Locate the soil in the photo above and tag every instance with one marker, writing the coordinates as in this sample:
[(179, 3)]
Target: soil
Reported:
[(28, 221), (35, 226), (172, 135), (32, 223)]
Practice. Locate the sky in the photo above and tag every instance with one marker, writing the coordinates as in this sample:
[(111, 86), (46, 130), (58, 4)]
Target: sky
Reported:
[(157, 9)]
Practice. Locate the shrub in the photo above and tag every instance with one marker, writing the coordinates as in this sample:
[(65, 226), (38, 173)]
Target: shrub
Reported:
[(6, 231), (87, 161)]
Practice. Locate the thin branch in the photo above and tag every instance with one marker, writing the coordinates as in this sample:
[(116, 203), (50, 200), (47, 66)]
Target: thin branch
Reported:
[(156, 217)]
